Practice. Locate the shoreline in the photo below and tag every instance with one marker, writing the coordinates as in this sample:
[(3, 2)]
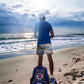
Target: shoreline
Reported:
[(67, 62), (22, 53)]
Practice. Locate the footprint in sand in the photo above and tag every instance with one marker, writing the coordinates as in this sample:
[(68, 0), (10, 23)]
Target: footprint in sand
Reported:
[(59, 70), (75, 60), (65, 65), (80, 83), (6, 82)]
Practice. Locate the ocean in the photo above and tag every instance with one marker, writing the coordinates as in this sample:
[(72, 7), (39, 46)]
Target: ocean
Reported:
[(19, 44)]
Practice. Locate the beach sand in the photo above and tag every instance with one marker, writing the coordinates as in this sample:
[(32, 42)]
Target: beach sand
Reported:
[(68, 67)]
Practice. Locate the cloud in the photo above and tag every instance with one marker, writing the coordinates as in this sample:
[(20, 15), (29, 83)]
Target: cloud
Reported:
[(46, 12), (15, 22), (33, 15), (17, 6), (76, 20), (27, 10), (3, 5), (78, 16), (6, 16)]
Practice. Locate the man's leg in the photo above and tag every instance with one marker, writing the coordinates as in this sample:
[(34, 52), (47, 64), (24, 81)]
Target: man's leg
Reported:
[(51, 65), (40, 59)]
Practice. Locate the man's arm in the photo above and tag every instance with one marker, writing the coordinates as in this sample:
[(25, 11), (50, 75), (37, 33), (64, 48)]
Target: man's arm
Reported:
[(52, 34), (35, 31)]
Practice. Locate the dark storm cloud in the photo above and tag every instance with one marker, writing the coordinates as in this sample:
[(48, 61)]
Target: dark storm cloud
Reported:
[(75, 20), (68, 23)]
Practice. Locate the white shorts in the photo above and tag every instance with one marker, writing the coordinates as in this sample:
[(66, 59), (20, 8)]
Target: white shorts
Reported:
[(44, 48)]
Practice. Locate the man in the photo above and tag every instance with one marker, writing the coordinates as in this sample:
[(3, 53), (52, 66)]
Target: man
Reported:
[(45, 32)]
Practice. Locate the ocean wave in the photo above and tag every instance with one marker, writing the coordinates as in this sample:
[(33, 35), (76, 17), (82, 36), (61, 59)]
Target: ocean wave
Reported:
[(69, 35), (22, 42), (12, 36), (16, 41)]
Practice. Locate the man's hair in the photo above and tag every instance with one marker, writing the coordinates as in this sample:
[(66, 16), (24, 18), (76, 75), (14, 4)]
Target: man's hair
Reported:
[(42, 17)]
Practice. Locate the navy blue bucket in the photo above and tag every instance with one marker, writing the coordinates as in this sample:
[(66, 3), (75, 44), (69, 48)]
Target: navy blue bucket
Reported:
[(39, 76)]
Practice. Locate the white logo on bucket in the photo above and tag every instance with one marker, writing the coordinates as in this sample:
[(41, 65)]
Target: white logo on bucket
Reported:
[(39, 76)]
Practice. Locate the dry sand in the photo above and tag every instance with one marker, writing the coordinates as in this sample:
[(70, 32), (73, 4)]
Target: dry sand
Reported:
[(68, 67)]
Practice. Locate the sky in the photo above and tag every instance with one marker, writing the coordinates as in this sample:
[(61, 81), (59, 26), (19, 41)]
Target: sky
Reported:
[(21, 15)]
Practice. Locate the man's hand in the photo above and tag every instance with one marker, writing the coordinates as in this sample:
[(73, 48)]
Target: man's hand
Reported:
[(52, 34)]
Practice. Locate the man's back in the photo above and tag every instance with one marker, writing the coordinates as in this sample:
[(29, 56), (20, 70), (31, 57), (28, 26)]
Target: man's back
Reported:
[(43, 29), (44, 45)]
